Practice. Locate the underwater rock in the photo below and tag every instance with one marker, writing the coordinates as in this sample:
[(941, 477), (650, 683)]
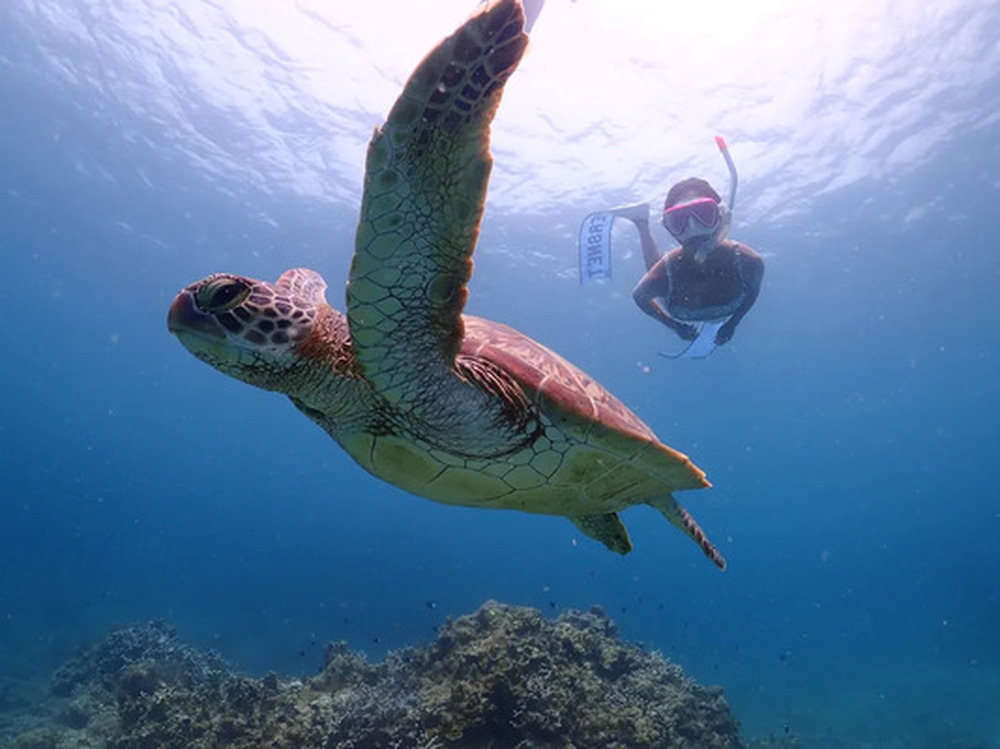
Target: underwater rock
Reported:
[(502, 677)]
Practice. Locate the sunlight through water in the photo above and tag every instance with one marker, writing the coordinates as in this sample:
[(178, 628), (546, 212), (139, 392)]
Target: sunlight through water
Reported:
[(623, 97)]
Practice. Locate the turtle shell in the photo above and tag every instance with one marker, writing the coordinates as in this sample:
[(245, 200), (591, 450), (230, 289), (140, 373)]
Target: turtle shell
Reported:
[(576, 403)]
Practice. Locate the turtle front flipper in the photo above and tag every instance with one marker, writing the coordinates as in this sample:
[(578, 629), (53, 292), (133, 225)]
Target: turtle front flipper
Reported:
[(425, 186)]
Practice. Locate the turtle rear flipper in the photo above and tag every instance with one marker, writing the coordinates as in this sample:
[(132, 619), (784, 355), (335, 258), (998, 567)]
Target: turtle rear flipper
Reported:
[(607, 529)]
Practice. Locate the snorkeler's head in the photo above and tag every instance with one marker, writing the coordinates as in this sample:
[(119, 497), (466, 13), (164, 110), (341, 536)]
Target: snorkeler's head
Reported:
[(694, 213), (689, 189)]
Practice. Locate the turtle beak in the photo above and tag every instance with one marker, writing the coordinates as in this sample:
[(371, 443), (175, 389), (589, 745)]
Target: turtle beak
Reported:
[(185, 318)]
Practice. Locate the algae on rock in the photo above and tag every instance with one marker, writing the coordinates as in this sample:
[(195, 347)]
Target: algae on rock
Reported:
[(502, 677)]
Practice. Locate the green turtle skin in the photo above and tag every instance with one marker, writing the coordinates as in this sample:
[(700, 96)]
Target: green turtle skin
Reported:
[(447, 406)]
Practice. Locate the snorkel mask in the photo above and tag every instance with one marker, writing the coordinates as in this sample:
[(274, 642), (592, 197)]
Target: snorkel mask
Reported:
[(702, 221), (693, 218)]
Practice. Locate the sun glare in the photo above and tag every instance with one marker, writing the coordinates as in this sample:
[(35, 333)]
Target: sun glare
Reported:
[(621, 95)]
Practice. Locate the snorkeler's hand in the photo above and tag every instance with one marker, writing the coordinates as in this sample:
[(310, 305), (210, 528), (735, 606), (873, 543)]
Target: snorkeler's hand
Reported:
[(724, 334), (637, 213), (686, 331)]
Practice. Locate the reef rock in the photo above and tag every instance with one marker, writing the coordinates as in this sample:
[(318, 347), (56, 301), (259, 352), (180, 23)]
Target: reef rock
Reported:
[(503, 677)]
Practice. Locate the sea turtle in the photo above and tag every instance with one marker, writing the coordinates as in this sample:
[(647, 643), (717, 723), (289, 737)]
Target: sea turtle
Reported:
[(451, 407)]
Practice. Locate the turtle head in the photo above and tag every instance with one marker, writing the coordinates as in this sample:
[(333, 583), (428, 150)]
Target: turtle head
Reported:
[(251, 330)]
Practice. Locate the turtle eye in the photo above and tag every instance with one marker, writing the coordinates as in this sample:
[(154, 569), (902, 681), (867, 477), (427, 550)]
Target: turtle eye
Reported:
[(221, 294)]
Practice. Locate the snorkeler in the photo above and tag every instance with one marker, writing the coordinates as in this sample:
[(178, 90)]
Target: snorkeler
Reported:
[(702, 289)]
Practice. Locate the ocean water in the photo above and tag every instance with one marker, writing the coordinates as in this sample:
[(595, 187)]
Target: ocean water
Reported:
[(849, 428)]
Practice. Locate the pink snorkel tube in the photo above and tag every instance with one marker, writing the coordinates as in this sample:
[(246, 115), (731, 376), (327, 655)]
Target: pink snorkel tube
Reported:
[(703, 251), (733, 176)]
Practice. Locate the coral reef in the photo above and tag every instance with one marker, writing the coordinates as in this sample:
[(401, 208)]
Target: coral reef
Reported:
[(503, 676)]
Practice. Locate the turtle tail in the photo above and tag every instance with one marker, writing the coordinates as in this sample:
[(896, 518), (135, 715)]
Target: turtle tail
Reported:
[(681, 518)]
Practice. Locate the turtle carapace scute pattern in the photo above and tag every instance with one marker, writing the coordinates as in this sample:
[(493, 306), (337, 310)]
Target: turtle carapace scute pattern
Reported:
[(447, 406)]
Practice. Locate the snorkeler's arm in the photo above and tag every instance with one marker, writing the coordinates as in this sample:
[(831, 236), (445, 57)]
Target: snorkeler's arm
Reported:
[(650, 251), (751, 269), (653, 287), (638, 214)]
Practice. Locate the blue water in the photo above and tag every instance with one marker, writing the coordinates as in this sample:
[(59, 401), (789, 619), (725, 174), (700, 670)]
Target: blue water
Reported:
[(849, 429)]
